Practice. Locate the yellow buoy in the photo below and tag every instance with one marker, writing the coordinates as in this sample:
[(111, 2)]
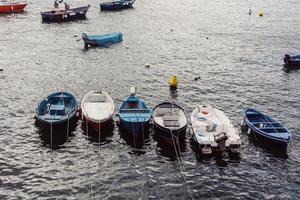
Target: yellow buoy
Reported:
[(173, 82), (261, 13)]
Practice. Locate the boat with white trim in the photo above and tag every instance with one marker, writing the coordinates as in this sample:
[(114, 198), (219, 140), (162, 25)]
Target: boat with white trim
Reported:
[(213, 132)]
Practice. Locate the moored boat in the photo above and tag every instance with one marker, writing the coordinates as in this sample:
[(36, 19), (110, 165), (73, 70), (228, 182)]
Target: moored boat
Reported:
[(102, 40), (266, 129), (65, 15), (134, 115), (213, 132), (12, 6), (97, 108), (170, 121), (291, 61), (57, 109), (117, 5)]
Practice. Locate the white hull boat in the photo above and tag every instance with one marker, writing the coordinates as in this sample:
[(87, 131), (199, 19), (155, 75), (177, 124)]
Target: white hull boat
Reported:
[(213, 132), (97, 108)]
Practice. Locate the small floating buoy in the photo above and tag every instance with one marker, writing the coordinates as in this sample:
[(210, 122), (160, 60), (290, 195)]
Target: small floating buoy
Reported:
[(171, 30), (197, 78), (173, 82), (261, 13), (207, 38), (147, 65), (250, 11), (75, 35)]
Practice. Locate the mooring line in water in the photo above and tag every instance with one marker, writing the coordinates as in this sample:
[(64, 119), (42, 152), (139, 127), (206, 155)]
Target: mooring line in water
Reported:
[(91, 184), (145, 161), (51, 145), (179, 157)]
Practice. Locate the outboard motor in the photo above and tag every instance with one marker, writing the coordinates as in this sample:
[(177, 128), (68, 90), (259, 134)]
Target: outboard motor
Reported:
[(220, 139), (287, 58)]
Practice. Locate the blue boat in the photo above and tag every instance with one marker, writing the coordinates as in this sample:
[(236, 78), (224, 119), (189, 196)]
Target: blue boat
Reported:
[(266, 129), (102, 40), (134, 115), (57, 109), (117, 5), (291, 61)]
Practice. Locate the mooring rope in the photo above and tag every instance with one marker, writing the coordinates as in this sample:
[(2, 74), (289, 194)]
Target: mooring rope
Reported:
[(91, 183), (179, 157)]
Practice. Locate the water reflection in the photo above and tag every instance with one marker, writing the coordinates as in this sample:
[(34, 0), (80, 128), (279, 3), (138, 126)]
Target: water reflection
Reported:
[(55, 137), (100, 135), (269, 148), (171, 149), (136, 141)]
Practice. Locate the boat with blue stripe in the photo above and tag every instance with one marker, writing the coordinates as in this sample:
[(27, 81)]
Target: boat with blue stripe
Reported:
[(57, 109), (135, 115), (266, 129)]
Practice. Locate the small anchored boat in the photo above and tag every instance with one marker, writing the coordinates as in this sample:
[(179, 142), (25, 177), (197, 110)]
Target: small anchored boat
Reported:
[(134, 115), (57, 109), (170, 121), (266, 129), (97, 108), (291, 61), (117, 5), (65, 15), (12, 6), (213, 132), (102, 40)]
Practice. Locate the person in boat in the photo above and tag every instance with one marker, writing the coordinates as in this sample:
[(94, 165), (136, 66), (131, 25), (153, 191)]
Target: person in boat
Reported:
[(56, 5), (67, 7)]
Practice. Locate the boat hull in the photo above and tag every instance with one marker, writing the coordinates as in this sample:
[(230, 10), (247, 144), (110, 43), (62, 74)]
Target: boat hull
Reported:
[(64, 16), (12, 8), (62, 124), (168, 134), (115, 6), (266, 130), (102, 40), (134, 128), (96, 126), (265, 140), (291, 61)]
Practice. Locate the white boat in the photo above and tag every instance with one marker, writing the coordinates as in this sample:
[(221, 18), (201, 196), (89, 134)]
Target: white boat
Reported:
[(213, 132), (97, 108)]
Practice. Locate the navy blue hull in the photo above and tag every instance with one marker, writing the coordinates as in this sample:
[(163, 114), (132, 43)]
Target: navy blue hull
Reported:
[(62, 16), (134, 128), (281, 144), (115, 7)]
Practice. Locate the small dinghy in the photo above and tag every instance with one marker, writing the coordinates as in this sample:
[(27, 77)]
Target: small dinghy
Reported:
[(12, 6), (291, 61), (101, 40), (170, 121), (65, 15), (57, 109), (117, 5), (134, 115), (97, 108), (266, 129), (213, 132)]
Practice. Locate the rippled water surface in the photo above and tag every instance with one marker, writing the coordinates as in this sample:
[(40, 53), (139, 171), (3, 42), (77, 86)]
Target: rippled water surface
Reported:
[(237, 56)]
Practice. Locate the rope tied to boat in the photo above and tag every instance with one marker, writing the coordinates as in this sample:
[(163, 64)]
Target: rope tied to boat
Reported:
[(178, 155)]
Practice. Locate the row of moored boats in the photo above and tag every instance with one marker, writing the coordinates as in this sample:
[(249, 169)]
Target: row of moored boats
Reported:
[(211, 129)]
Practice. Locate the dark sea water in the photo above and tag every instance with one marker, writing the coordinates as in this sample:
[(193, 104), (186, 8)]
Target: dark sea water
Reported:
[(237, 56)]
